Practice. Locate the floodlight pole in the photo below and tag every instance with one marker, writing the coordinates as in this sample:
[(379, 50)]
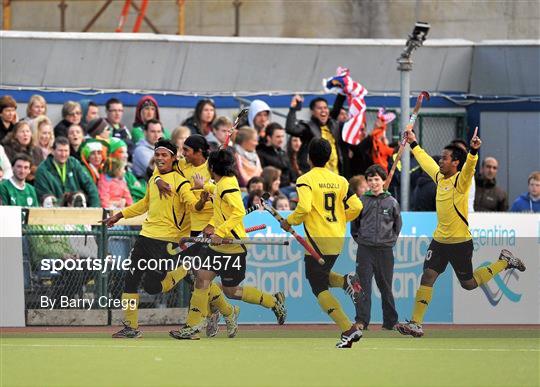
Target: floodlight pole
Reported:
[(405, 68)]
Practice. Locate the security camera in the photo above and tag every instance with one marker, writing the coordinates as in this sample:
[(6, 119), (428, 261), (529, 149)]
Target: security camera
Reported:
[(420, 31)]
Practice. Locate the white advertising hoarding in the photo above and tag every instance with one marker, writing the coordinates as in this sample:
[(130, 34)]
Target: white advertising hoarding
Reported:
[(511, 297)]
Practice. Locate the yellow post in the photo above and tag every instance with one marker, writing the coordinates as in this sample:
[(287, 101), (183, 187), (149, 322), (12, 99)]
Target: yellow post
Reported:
[(6, 20), (181, 17)]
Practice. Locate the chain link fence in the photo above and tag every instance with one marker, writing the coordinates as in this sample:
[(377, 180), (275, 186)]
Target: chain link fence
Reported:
[(42, 245)]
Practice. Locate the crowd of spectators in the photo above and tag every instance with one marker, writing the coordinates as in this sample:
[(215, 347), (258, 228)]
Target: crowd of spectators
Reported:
[(109, 163)]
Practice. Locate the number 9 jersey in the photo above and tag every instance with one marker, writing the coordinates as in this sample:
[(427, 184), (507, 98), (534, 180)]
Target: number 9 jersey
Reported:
[(325, 205)]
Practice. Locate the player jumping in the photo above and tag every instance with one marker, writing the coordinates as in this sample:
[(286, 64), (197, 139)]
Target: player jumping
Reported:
[(452, 240), (325, 205)]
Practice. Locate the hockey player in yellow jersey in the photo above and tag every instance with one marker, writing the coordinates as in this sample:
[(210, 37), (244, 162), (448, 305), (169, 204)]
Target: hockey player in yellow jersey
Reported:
[(227, 261), (452, 240), (325, 205), (161, 230), (194, 163)]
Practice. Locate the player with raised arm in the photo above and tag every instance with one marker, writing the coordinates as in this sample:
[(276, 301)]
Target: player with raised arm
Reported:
[(325, 205), (452, 240), (227, 261), (158, 239), (193, 164)]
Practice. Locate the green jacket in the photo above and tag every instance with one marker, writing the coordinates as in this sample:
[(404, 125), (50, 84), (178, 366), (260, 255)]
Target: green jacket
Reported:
[(48, 181), (137, 187)]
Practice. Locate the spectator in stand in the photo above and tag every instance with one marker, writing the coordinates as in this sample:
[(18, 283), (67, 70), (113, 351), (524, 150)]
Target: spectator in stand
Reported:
[(293, 147), (93, 155), (424, 192), (254, 184), (529, 201), (254, 198), (115, 113), (147, 109), (323, 124), (144, 152), (220, 130), (19, 140), (271, 181), (274, 155), (71, 114), (1, 178), (15, 191), (489, 196), (472, 193), (37, 106), (43, 139), (259, 117), (118, 151), (99, 129), (281, 203), (5, 164), (203, 117), (358, 185), (247, 160), (112, 186), (90, 111), (75, 136), (343, 116), (178, 137), (60, 174), (8, 115)]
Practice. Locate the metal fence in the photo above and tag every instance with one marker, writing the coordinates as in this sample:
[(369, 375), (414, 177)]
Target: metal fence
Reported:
[(44, 243)]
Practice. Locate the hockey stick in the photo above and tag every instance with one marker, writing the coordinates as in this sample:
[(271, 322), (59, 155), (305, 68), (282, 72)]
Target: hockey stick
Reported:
[(183, 246), (241, 241), (403, 141), (243, 113), (300, 240)]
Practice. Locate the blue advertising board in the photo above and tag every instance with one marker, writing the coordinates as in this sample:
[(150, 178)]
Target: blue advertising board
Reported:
[(281, 268)]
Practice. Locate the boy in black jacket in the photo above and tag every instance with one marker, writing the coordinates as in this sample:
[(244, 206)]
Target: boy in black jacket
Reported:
[(376, 231)]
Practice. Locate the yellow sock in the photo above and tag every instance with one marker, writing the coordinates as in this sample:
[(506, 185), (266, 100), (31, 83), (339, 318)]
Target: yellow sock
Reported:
[(336, 280), (219, 301), (330, 305), (131, 314), (486, 273), (423, 297), (198, 307), (256, 296), (172, 278)]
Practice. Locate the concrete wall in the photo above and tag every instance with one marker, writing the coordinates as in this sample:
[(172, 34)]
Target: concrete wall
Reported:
[(467, 19)]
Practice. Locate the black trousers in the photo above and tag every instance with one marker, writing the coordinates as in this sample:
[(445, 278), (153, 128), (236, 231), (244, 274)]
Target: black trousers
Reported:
[(378, 262)]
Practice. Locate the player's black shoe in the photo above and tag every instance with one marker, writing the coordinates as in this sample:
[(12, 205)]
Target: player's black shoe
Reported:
[(127, 332), (352, 286), (410, 328), (513, 262), (280, 310), (349, 337)]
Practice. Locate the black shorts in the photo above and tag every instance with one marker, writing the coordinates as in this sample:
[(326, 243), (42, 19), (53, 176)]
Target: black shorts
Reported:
[(231, 267), (458, 254), (318, 275), (160, 252)]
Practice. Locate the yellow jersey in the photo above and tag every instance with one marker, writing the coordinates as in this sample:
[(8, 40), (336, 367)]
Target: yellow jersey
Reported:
[(168, 217), (325, 205), (228, 214), (332, 163), (199, 219), (452, 197)]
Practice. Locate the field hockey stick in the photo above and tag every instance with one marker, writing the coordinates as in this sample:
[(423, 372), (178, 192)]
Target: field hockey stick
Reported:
[(300, 240), (403, 141), (243, 113), (241, 241), (185, 245), (252, 208)]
